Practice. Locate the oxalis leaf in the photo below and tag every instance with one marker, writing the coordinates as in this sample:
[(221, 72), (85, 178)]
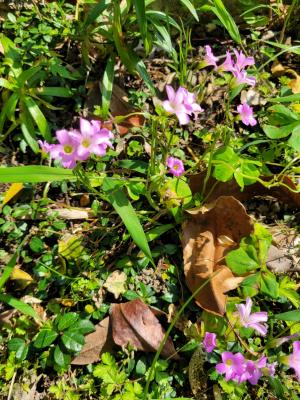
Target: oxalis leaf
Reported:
[(123, 207)]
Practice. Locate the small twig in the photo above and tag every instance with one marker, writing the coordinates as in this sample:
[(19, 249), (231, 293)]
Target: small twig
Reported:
[(11, 385)]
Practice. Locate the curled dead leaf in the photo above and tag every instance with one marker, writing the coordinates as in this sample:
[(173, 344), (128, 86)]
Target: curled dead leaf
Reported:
[(134, 322), (203, 253), (96, 343)]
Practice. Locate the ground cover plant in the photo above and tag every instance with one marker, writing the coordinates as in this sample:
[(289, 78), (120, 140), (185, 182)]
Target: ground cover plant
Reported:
[(149, 187)]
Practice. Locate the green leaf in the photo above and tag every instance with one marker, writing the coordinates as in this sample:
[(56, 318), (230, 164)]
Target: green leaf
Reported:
[(134, 165), (268, 284), (285, 99), (273, 132), (6, 84), (94, 13), (191, 8), (19, 305), (83, 326), (8, 268), (54, 91), (27, 74), (294, 140), (19, 347), (122, 205), (293, 316), (28, 129), (140, 11), (73, 341), (226, 161), (226, 20), (107, 85), (240, 262), (36, 244), (66, 320), (62, 359), (44, 338), (158, 231), (35, 174), (8, 108), (38, 117)]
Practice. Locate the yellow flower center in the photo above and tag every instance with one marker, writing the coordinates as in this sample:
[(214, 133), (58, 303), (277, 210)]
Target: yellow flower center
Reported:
[(68, 149), (85, 143), (229, 362)]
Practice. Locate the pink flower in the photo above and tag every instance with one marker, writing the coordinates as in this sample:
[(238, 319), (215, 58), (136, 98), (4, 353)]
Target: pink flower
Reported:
[(242, 61), (294, 359), (66, 150), (246, 113), (175, 166), (46, 147), (253, 369), (232, 365), (182, 103), (210, 58), (242, 77), (270, 369), (228, 64), (254, 320), (93, 139), (209, 341)]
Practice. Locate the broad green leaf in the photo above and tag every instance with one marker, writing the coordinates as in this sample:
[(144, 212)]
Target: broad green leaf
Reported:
[(240, 262), (73, 340), (294, 140), (122, 205), (83, 326), (278, 133), (226, 161), (226, 20), (54, 91), (44, 338), (19, 305), (286, 112), (67, 320), (107, 85), (19, 347), (293, 316), (62, 359), (191, 8), (6, 84), (36, 244), (35, 174), (38, 117), (134, 165), (268, 284)]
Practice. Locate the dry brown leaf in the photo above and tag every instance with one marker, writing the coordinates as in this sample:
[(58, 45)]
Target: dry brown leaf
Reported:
[(231, 188), (203, 253), (134, 322), (96, 343), (116, 283)]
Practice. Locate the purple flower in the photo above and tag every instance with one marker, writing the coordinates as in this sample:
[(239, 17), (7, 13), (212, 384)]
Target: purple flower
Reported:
[(210, 58), (93, 139), (232, 365), (209, 341), (246, 113), (182, 103), (46, 147), (294, 359), (175, 166), (253, 369), (254, 320)]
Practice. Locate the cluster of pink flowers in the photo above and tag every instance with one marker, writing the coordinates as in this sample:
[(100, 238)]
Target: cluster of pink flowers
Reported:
[(237, 368), (74, 145), (182, 103), (246, 114), (237, 67)]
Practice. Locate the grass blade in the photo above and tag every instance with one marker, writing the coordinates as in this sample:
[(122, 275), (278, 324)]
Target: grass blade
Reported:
[(19, 305), (191, 8), (226, 19), (38, 117), (123, 207), (107, 85), (34, 174)]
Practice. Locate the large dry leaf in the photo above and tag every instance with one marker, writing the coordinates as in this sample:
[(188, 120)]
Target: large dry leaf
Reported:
[(231, 188), (134, 322), (207, 236), (96, 343)]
